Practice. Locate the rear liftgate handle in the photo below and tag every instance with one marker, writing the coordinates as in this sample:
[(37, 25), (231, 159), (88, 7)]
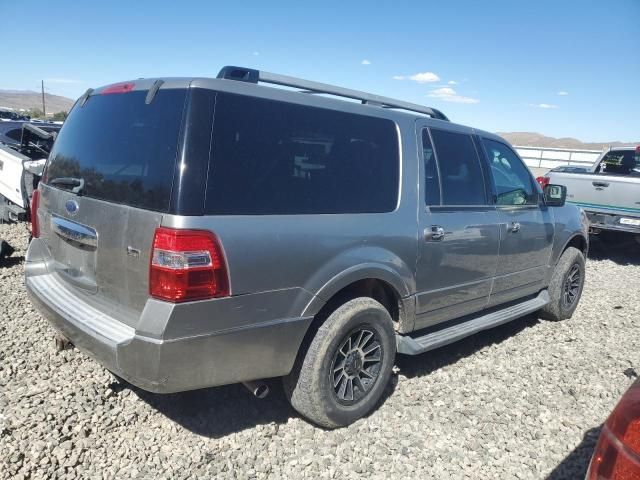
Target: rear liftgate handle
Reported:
[(435, 233)]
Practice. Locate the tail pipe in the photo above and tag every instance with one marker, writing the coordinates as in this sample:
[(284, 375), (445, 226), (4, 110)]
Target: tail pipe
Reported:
[(258, 388)]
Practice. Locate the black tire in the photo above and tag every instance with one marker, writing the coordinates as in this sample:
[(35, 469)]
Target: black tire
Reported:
[(569, 273), (335, 354)]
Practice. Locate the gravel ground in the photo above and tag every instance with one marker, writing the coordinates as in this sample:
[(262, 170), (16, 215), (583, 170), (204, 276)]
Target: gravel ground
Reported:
[(525, 400)]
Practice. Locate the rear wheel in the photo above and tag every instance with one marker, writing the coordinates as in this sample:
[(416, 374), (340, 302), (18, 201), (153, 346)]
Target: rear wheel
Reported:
[(347, 366), (565, 288)]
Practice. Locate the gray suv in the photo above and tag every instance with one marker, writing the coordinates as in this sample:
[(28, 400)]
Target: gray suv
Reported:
[(197, 232)]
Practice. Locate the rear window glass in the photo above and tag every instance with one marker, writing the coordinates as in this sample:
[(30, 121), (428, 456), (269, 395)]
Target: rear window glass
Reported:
[(121, 148), (620, 162), (272, 157)]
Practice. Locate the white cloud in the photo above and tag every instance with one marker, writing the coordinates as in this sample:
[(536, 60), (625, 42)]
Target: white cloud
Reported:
[(365, 62), (452, 82), (425, 77), (562, 93), (543, 105), (448, 94), (255, 54), (61, 80)]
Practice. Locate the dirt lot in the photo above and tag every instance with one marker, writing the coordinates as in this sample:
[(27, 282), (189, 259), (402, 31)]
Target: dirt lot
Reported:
[(525, 400)]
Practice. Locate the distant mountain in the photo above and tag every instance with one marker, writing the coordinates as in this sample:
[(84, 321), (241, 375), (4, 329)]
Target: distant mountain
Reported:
[(28, 100), (531, 139)]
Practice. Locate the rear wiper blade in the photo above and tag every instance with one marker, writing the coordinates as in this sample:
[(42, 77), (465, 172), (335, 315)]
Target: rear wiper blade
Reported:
[(76, 183)]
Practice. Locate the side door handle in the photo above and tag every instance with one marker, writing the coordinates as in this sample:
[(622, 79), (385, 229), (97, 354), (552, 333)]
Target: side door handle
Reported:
[(434, 233), (600, 184), (514, 227)]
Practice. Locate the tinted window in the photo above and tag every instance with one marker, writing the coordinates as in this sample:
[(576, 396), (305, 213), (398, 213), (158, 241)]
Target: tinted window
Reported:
[(511, 177), (123, 149), (460, 171), (620, 162), (278, 158), (432, 183)]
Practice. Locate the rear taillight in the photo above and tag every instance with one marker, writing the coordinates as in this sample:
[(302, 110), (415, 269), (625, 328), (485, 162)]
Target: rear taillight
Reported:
[(543, 181), (35, 202), (187, 265), (617, 455), (118, 88)]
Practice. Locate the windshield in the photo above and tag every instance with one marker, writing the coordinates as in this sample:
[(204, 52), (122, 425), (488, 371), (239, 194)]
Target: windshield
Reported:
[(120, 148)]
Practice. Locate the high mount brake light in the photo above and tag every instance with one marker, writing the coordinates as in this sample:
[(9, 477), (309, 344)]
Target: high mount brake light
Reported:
[(33, 212), (617, 454), (543, 181), (187, 265), (119, 88)]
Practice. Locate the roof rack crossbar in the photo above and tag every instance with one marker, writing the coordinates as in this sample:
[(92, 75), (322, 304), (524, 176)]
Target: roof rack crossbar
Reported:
[(255, 76)]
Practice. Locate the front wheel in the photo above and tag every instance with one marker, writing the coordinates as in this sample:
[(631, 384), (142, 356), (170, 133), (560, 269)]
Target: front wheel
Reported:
[(565, 288), (347, 366)]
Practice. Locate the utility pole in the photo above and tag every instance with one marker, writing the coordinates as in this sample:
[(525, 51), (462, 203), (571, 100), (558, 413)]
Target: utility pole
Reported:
[(44, 112)]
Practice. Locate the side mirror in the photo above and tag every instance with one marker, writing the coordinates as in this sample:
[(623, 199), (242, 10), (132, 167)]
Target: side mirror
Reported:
[(555, 195)]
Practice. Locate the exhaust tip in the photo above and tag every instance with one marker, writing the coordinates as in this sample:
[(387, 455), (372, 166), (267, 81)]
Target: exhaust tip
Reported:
[(257, 388)]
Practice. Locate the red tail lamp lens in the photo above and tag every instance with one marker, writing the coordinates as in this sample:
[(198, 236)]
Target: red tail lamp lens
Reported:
[(35, 202), (617, 455), (543, 181), (187, 265)]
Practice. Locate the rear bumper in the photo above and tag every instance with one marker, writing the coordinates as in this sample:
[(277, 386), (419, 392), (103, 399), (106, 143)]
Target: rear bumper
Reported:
[(611, 222), (165, 365)]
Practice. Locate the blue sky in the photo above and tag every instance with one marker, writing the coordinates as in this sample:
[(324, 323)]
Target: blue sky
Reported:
[(561, 68)]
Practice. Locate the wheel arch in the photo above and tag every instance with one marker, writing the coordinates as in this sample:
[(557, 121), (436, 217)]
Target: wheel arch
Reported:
[(577, 241), (369, 280)]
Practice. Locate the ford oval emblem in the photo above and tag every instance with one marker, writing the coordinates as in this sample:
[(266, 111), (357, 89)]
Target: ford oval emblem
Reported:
[(72, 207)]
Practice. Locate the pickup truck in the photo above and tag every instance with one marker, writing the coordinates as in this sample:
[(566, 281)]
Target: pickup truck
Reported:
[(608, 191), (24, 148)]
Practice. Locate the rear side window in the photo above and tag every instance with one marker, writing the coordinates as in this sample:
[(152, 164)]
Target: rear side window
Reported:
[(272, 157), (460, 171), (122, 149)]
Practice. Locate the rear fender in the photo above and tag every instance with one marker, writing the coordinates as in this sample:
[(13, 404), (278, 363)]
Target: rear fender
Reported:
[(349, 267)]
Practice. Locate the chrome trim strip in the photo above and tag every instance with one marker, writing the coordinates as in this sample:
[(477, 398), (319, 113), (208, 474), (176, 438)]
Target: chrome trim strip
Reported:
[(74, 231)]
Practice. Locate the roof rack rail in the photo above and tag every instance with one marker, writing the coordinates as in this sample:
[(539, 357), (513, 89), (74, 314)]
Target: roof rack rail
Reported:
[(249, 75)]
